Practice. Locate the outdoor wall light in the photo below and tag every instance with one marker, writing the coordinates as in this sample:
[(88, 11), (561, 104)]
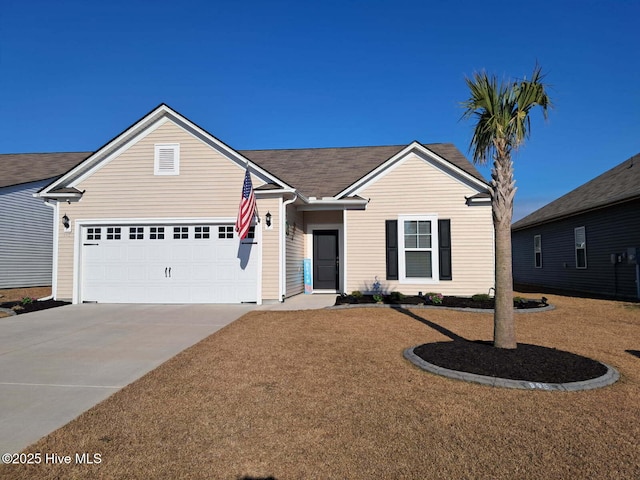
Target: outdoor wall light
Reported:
[(65, 221), (268, 219)]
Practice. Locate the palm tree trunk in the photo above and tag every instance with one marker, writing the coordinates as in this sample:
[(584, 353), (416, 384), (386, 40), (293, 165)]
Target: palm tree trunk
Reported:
[(503, 190)]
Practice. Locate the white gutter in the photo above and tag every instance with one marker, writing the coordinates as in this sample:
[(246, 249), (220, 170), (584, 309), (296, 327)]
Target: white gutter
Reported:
[(333, 203), (283, 246)]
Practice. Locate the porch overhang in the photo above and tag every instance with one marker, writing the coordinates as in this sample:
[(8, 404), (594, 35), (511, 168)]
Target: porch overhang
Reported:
[(320, 204)]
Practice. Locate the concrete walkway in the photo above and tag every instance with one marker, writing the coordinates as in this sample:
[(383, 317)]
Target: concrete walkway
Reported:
[(57, 363), (303, 302)]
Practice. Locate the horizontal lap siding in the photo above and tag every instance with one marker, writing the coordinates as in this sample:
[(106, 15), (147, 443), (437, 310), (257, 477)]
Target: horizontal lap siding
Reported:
[(209, 185), (608, 231), (270, 249), (416, 187), (295, 251), (26, 237)]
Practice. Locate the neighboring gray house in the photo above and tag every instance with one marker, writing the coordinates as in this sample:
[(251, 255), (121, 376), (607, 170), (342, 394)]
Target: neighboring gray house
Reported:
[(26, 223), (585, 242)]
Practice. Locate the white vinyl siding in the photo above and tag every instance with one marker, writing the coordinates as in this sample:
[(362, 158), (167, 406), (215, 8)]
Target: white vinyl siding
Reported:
[(581, 247), (294, 238), (537, 251), (167, 159)]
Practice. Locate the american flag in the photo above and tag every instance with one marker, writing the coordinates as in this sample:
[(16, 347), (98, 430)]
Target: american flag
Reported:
[(247, 207)]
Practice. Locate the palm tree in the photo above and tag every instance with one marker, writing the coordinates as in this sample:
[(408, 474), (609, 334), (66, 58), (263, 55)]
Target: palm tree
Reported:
[(503, 123)]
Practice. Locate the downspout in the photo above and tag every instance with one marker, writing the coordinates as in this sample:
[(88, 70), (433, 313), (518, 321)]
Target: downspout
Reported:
[(283, 246)]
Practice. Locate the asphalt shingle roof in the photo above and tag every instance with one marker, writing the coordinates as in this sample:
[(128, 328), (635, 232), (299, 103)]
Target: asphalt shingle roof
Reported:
[(18, 168), (325, 172), (619, 184), (315, 172)]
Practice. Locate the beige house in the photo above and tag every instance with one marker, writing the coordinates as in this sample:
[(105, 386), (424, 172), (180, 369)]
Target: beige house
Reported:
[(149, 218)]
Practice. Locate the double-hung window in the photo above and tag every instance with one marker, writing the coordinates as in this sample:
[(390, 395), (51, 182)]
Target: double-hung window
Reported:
[(537, 250), (418, 239), (581, 247)]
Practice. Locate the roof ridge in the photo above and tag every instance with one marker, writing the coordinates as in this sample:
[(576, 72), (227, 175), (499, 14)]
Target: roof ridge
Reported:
[(402, 145), (317, 148)]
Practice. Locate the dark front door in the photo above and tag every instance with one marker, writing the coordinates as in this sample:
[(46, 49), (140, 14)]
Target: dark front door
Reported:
[(325, 259)]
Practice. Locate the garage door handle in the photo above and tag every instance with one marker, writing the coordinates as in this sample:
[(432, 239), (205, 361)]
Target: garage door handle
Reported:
[(165, 272), (169, 272)]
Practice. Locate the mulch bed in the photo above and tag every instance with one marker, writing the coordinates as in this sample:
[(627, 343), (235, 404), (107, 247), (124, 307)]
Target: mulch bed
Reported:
[(531, 363), (447, 301), (34, 306)]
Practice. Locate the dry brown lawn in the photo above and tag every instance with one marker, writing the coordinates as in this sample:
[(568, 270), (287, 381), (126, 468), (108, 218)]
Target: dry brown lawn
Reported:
[(328, 395), (14, 294)]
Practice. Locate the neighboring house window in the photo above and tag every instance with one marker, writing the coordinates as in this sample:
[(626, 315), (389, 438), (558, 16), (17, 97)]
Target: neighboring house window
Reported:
[(225, 231), (167, 159), (136, 233), (156, 233), (418, 239), (581, 247), (114, 233), (537, 250)]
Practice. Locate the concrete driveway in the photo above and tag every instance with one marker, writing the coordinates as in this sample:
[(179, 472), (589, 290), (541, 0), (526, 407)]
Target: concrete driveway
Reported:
[(57, 363)]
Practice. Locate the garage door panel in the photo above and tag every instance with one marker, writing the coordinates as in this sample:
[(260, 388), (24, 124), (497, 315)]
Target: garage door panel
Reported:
[(154, 268)]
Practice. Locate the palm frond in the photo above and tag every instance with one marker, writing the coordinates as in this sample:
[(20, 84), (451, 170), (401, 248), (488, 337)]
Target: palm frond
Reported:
[(501, 111)]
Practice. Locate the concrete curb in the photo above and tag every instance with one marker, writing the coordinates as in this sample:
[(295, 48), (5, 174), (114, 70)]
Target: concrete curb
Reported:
[(8, 311), (420, 307), (609, 378)]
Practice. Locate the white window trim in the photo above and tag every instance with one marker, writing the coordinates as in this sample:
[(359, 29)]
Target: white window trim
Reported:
[(537, 248), (435, 265), (176, 158), (584, 247)]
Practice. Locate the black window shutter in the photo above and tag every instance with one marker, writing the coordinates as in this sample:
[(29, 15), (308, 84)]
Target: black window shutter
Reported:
[(444, 249), (391, 231)]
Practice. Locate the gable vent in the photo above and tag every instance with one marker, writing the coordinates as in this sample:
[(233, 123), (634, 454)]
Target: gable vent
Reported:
[(167, 159)]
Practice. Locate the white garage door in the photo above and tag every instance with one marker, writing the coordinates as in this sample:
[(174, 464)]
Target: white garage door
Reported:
[(168, 264)]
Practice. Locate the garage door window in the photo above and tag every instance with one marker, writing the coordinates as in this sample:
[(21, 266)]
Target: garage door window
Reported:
[(180, 233), (93, 233), (156, 233), (202, 232), (136, 233), (225, 231), (114, 233)]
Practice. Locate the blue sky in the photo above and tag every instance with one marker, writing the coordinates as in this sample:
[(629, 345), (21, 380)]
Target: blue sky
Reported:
[(296, 74)]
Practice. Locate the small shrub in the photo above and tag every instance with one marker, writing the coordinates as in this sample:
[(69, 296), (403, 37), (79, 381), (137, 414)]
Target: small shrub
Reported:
[(26, 301), (378, 298), (481, 297), (356, 294), (435, 298), (519, 300), (396, 296)]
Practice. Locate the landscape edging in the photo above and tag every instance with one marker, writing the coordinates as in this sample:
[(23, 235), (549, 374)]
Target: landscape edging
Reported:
[(610, 377), (459, 309)]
